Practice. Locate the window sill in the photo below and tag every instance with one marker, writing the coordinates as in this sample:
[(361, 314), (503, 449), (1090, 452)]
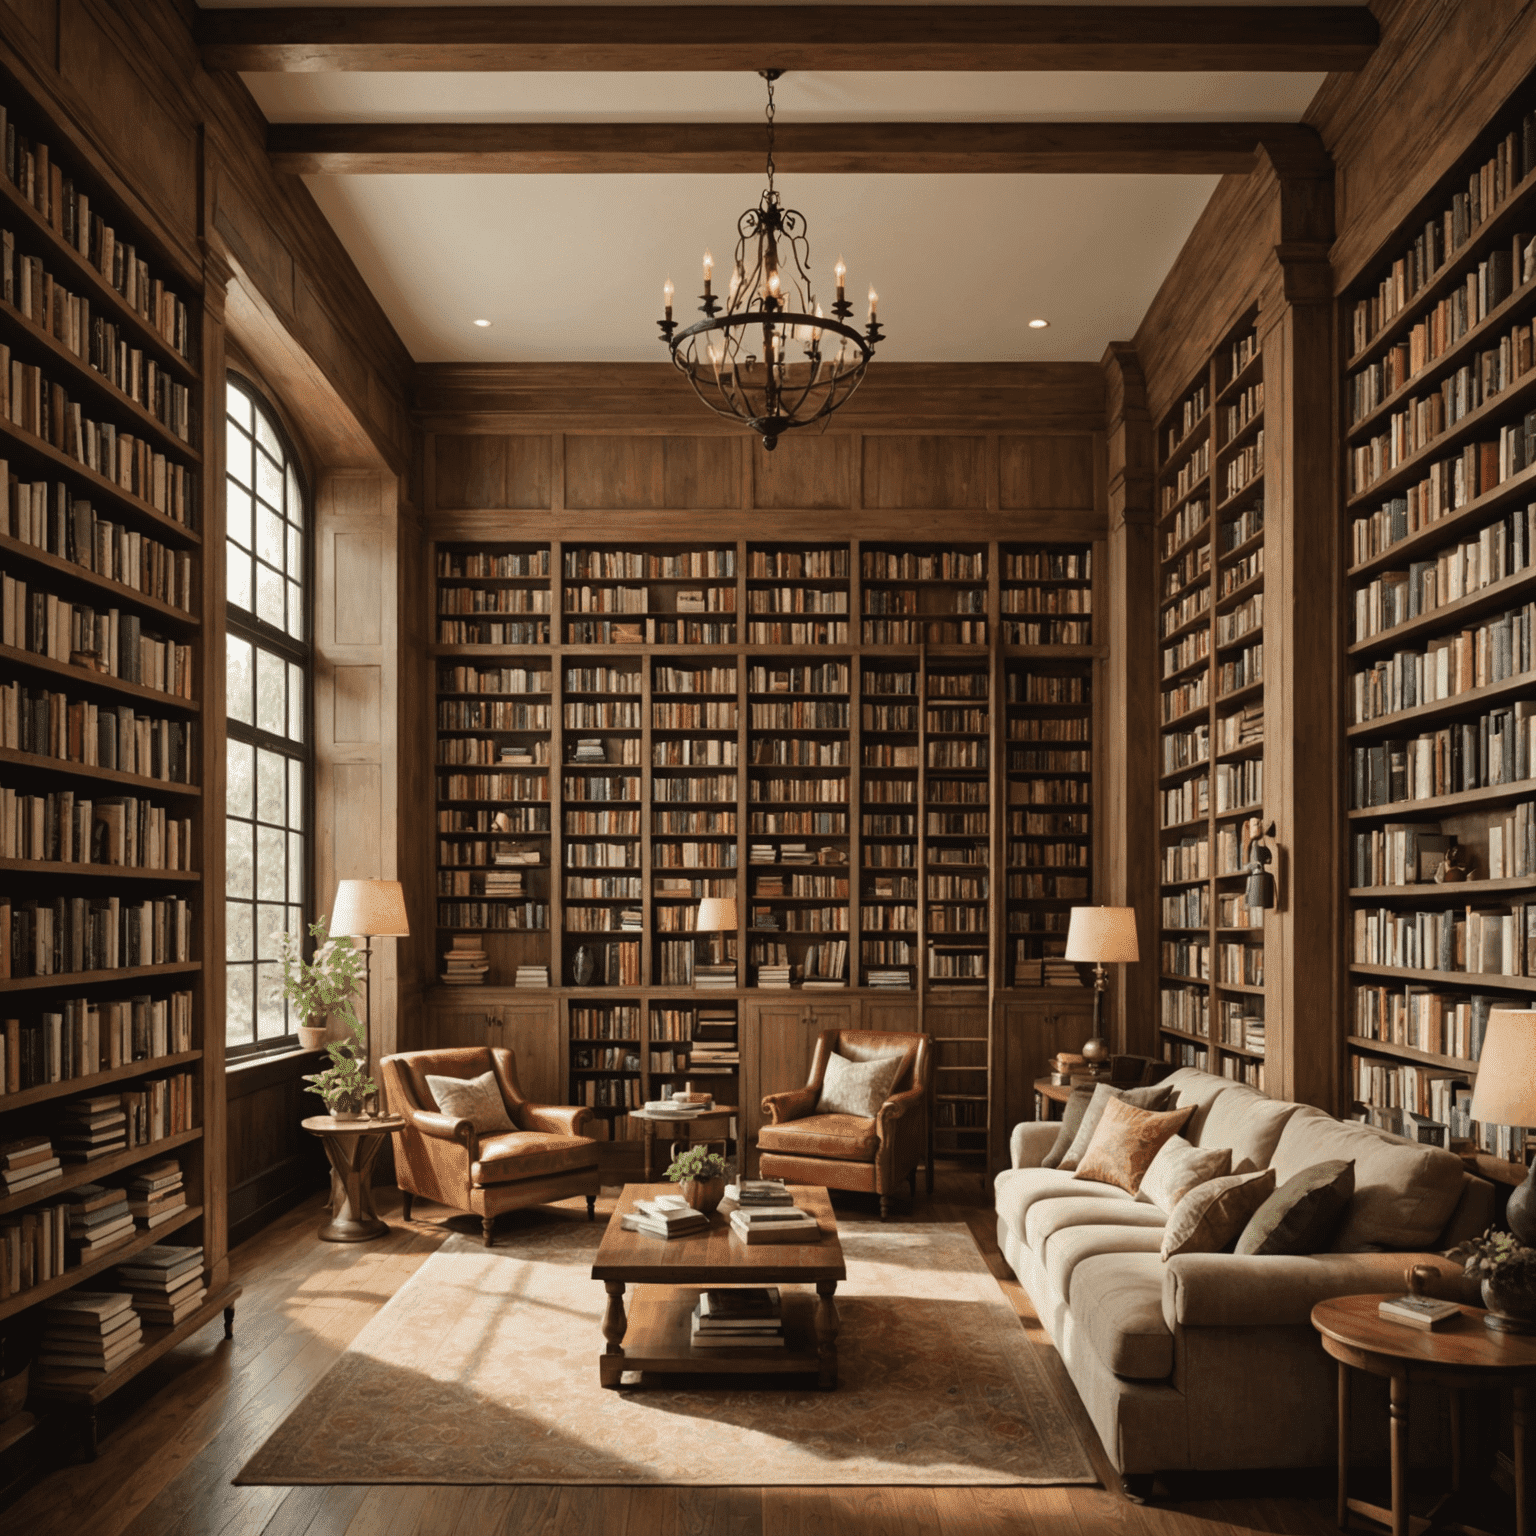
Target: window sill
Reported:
[(251, 1074)]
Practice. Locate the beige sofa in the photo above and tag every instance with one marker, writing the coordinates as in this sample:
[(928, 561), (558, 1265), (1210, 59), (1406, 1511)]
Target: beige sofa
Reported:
[(1208, 1361)]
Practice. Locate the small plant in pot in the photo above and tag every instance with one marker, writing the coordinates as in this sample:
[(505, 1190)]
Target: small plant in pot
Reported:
[(1506, 1269), (700, 1174), (345, 1085), (324, 984)]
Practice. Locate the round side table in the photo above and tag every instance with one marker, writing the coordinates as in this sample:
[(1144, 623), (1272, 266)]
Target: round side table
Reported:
[(683, 1132), (352, 1146), (1461, 1355)]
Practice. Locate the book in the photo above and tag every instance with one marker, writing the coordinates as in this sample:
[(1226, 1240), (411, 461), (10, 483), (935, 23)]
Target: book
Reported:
[(741, 1302), (1418, 1311), (776, 1232)]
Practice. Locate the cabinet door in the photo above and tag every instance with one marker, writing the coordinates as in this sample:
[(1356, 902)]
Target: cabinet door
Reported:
[(453, 1025), (1033, 1030), (533, 1035), (886, 1015)]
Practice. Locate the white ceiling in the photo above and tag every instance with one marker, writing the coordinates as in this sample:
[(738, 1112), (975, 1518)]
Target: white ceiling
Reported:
[(569, 268)]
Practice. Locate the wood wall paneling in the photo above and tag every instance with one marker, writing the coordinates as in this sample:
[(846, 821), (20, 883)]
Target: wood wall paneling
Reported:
[(1053, 472), (274, 1163), (805, 471), (38, 19), (946, 473), (493, 470), (631, 473)]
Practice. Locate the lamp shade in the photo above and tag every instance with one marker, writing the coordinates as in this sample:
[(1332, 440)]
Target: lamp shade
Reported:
[(1102, 935), (370, 909), (1505, 1093), (717, 914)]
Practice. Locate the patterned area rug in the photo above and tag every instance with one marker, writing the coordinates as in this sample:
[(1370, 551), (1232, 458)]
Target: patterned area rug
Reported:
[(482, 1368)]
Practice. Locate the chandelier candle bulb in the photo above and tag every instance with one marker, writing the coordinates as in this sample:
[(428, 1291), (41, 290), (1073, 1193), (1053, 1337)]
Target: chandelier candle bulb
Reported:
[(667, 290), (840, 271), (874, 301), (709, 270)]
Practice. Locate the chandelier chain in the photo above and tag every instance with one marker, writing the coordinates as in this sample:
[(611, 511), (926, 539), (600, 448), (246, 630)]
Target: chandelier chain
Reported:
[(768, 112)]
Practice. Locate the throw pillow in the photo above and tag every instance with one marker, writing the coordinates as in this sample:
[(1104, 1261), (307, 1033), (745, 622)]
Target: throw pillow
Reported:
[(1303, 1214), (1072, 1113), (857, 1087), (1141, 1098), (1178, 1168), (1213, 1213), (476, 1099), (1126, 1141)]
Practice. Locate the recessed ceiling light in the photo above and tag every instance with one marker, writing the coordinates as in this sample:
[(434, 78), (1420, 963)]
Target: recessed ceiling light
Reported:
[(1034, 325), (485, 325)]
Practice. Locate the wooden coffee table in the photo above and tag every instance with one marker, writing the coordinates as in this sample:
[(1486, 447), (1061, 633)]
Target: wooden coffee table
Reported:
[(654, 1337)]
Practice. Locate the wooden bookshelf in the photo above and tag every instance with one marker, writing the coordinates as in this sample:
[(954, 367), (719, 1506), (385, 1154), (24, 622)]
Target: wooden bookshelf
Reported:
[(120, 355), (1210, 498), (1439, 499)]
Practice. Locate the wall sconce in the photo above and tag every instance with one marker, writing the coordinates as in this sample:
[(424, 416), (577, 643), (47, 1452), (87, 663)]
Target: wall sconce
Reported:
[(1260, 894)]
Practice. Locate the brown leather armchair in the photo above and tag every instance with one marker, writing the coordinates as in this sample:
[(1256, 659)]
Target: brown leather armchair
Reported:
[(545, 1158), (845, 1151)]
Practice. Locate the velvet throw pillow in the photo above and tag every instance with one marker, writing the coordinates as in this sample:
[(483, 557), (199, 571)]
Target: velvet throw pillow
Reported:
[(1213, 1213), (857, 1087), (476, 1099), (1141, 1098), (1126, 1141), (1178, 1168), (1301, 1216)]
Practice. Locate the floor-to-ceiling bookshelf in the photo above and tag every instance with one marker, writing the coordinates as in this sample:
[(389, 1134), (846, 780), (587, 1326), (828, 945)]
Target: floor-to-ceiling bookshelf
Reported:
[(109, 799), (1440, 676), (1210, 510)]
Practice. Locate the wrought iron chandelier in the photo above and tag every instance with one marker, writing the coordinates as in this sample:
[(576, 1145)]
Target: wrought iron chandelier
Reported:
[(772, 389)]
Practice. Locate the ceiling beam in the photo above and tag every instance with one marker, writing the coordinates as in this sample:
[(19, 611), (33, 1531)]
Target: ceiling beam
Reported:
[(1189, 149), (796, 37)]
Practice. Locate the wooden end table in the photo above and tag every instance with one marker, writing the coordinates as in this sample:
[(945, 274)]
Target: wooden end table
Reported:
[(655, 1336), (352, 1146), (1462, 1355), (683, 1134)]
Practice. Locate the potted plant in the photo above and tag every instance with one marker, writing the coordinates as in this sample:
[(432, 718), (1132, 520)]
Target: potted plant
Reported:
[(345, 1085), (324, 984), (1507, 1270), (701, 1176)]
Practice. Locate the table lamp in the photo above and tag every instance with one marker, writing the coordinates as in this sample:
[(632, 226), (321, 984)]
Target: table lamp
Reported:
[(717, 915), (1505, 1094), (369, 909), (1101, 936)]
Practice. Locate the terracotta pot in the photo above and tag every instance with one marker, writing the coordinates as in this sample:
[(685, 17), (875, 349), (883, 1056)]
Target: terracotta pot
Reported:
[(703, 1194), (1511, 1304), (13, 1394), (312, 1037)]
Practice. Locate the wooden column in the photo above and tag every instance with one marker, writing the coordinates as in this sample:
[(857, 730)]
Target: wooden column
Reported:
[(1126, 820)]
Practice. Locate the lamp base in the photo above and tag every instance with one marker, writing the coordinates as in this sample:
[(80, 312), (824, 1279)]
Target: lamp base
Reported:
[(1520, 1213), (1096, 1051)]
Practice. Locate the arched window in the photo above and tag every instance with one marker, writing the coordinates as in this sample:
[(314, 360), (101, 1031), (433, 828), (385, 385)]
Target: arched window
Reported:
[(269, 751)]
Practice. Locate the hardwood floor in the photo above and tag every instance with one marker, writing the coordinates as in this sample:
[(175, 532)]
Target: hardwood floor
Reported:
[(168, 1456)]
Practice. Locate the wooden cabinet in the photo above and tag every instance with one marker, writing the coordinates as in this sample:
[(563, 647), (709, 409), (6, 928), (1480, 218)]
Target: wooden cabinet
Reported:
[(530, 1029), (890, 1016), (1031, 1029)]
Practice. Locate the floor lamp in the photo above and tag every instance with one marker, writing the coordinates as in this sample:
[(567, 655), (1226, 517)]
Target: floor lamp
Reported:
[(369, 910), (1100, 936)]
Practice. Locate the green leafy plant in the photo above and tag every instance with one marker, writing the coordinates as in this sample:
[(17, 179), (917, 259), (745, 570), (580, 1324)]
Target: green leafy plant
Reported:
[(326, 982), (345, 1084), (1496, 1254), (698, 1164)]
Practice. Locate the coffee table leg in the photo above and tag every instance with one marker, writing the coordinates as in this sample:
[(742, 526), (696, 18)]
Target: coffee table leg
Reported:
[(614, 1325), (827, 1325), (1343, 1512), (1399, 1413)]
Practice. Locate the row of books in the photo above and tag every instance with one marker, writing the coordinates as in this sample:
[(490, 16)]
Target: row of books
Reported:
[(68, 829), (86, 1035), (51, 724), (78, 933)]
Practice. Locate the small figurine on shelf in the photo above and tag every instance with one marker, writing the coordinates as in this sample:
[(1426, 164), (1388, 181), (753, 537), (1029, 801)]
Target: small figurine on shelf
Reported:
[(1455, 867)]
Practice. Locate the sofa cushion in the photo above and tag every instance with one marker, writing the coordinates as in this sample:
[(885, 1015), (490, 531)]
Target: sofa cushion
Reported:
[(1189, 1085), (1404, 1193), (1117, 1302), (1249, 1123), (1070, 1246), (1046, 1218), (1072, 1113), (1178, 1168), (1303, 1214), (529, 1155), (1153, 1097), (858, 1088), (1126, 1141), (849, 1137), (1213, 1213), (1018, 1189)]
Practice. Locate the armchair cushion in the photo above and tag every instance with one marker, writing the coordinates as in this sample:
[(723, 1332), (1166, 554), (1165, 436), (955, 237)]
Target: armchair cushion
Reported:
[(476, 1099), (530, 1155), (850, 1138), (857, 1088)]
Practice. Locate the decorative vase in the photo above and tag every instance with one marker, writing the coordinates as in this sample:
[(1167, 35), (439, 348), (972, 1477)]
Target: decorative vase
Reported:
[(703, 1194), (582, 967), (1511, 1303), (312, 1036)]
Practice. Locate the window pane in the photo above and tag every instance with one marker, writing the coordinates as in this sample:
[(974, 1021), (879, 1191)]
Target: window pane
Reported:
[(269, 481), (238, 935), (237, 681), (295, 500), (269, 595), (238, 758), (239, 1006), (238, 404), (271, 865), (295, 610), (269, 536), (295, 794), (271, 1013), (271, 780), (271, 705), (238, 505), (295, 866), (295, 702), (295, 552), (237, 455), (239, 879), (238, 576), (270, 923), (267, 437)]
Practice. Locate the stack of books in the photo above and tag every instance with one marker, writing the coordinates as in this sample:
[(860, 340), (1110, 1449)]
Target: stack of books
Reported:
[(671, 1109), (156, 1194), (890, 981), (715, 975), (165, 1283), (90, 1128), (516, 756), (665, 1216), (796, 853), (773, 976), (504, 882), (1060, 973), (746, 1317), (465, 964), (1069, 1068), (27, 1163), (86, 1334), (590, 749), (99, 1219), (531, 976), (714, 1049), (504, 853), (774, 1225), (762, 853), (631, 920), (760, 1194)]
